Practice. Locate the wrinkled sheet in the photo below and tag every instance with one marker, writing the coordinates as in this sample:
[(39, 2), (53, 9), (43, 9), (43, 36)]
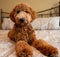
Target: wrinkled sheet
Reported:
[(7, 47)]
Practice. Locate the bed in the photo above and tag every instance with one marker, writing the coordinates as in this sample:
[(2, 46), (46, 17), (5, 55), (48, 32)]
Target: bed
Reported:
[(7, 47)]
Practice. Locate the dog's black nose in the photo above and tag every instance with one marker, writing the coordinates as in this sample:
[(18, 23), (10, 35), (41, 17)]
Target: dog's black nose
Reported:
[(22, 19)]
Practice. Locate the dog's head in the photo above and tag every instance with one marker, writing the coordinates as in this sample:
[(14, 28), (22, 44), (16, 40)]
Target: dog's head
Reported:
[(22, 14)]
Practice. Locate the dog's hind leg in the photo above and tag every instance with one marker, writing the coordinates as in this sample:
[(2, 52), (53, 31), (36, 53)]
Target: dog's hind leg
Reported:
[(45, 48)]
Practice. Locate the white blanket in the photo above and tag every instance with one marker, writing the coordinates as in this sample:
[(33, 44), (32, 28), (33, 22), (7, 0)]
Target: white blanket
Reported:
[(7, 47)]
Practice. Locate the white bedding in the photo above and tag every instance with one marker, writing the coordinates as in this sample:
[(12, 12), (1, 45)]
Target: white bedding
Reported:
[(7, 47), (39, 23), (46, 23), (7, 23)]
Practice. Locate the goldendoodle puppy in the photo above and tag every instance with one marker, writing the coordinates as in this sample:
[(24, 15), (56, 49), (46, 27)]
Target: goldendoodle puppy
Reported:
[(23, 33)]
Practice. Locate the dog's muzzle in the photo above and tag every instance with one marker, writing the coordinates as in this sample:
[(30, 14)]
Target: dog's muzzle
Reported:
[(22, 20)]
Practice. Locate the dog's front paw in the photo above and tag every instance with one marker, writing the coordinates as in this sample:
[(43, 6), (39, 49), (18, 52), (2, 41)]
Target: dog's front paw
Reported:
[(53, 55), (23, 49)]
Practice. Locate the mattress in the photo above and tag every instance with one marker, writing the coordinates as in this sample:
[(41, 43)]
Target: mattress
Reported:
[(7, 47)]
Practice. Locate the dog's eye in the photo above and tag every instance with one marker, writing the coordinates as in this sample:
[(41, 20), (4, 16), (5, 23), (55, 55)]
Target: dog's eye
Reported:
[(18, 11), (26, 11)]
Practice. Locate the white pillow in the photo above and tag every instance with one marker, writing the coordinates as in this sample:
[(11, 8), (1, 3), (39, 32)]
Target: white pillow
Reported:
[(46, 23), (39, 23), (7, 23)]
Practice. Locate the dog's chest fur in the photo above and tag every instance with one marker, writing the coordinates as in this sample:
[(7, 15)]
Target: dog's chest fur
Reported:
[(22, 33)]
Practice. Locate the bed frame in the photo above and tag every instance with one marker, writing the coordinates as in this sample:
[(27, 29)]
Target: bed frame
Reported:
[(3, 15), (54, 11)]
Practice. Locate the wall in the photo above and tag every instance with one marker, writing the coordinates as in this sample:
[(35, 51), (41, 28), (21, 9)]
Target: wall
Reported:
[(37, 5)]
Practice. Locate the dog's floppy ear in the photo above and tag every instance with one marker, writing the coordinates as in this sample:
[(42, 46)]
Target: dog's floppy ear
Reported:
[(33, 14), (12, 15)]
